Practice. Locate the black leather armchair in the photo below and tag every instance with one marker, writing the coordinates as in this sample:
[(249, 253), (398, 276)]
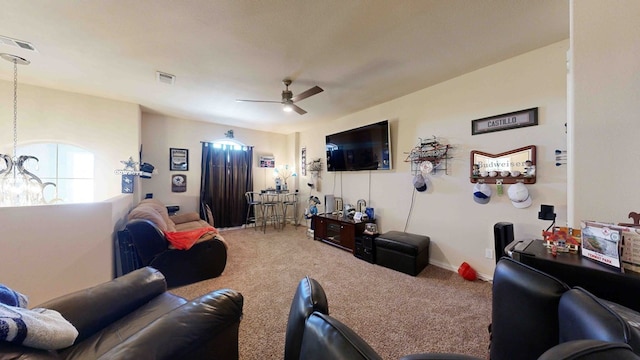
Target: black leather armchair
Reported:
[(134, 317)]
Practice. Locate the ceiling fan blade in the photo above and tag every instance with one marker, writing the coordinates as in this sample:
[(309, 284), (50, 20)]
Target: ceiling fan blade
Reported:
[(263, 101), (298, 109), (305, 94)]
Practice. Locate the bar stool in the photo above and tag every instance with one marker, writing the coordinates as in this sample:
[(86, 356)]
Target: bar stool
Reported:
[(270, 204), (290, 200), (253, 201)]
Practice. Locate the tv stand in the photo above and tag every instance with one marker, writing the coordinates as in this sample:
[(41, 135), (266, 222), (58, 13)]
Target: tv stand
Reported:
[(336, 231)]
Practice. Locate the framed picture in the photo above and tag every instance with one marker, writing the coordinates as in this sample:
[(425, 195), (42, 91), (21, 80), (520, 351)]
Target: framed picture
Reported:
[(178, 159), (601, 242), (512, 120), (178, 183), (127, 184), (303, 161), (267, 162)]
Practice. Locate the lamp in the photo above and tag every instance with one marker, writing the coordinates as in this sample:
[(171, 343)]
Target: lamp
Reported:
[(19, 187), (546, 213), (287, 107)]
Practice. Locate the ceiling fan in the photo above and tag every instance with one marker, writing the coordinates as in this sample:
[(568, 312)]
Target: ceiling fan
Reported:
[(288, 99)]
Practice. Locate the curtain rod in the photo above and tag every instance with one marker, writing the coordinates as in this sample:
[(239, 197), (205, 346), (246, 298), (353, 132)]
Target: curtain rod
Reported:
[(212, 142)]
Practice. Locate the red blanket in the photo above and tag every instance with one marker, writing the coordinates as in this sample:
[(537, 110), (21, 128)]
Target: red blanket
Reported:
[(184, 240)]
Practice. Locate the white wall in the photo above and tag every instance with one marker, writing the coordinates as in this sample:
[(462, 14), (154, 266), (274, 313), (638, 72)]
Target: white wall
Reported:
[(461, 229), (160, 133), (606, 117)]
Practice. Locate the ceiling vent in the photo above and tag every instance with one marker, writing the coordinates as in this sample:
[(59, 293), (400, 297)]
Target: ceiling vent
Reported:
[(165, 78), (17, 43)]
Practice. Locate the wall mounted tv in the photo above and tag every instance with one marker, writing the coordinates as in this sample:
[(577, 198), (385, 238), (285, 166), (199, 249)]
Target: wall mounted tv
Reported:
[(365, 148)]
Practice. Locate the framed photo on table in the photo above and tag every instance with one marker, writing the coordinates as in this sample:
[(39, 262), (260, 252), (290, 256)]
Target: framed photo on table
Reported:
[(601, 242), (178, 159)]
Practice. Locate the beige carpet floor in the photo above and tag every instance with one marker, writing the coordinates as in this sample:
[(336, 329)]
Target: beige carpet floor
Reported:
[(397, 314)]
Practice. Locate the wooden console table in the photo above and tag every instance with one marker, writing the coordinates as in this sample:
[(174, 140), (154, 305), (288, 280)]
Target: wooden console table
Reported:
[(336, 231)]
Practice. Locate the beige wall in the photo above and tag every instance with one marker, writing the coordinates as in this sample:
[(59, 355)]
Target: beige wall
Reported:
[(107, 128), (605, 69), (50, 250), (461, 229), (159, 133), (70, 246)]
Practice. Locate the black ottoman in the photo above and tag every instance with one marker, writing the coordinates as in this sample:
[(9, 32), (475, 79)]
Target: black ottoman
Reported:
[(401, 251)]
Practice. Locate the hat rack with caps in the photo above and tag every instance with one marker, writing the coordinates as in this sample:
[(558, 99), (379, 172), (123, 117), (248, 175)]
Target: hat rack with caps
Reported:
[(517, 193), (510, 167), (561, 157), (429, 156)]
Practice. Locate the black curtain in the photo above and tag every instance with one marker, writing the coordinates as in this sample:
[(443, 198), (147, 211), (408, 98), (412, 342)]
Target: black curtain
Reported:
[(226, 177)]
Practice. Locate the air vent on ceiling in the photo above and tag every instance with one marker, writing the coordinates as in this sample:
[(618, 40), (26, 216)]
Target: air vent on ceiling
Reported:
[(165, 78), (4, 40)]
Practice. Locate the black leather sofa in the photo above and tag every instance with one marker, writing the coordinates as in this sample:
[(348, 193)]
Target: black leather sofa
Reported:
[(534, 316), (134, 317), (205, 260)]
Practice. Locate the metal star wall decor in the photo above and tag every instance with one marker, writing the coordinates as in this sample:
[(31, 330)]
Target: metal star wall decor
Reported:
[(129, 164)]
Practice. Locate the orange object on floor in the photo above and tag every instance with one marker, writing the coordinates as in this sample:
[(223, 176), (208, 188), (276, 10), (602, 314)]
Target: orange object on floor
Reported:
[(467, 272)]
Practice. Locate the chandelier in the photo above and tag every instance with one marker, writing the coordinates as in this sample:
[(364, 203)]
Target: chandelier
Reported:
[(19, 186)]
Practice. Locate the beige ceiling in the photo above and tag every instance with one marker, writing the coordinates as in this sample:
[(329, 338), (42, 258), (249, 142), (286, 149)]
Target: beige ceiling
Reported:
[(362, 53)]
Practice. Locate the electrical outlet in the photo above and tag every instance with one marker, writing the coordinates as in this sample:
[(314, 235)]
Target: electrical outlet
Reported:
[(488, 253)]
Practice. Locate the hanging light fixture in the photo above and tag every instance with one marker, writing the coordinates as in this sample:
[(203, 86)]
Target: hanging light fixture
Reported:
[(288, 106), (19, 187)]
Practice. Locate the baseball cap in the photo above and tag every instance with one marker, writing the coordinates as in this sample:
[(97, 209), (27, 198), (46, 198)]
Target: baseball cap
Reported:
[(481, 193), (419, 183), (519, 195)]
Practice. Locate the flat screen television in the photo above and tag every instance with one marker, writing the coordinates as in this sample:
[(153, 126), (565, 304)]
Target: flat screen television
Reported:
[(364, 148)]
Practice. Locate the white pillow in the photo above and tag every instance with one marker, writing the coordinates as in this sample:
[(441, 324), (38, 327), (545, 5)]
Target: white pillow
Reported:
[(37, 328)]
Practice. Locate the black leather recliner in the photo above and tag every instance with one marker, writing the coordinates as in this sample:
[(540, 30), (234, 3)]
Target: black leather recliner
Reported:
[(205, 260), (314, 335), (134, 317), (533, 311), (524, 313)]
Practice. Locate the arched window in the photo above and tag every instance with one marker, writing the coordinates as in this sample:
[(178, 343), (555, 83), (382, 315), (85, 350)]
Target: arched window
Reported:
[(69, 167), (233, 144)]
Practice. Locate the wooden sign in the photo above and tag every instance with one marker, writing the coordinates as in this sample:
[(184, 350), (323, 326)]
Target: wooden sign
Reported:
[(507, 121)]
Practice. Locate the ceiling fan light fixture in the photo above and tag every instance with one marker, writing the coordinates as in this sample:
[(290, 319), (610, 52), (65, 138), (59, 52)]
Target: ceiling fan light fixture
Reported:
[(288, 101)]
